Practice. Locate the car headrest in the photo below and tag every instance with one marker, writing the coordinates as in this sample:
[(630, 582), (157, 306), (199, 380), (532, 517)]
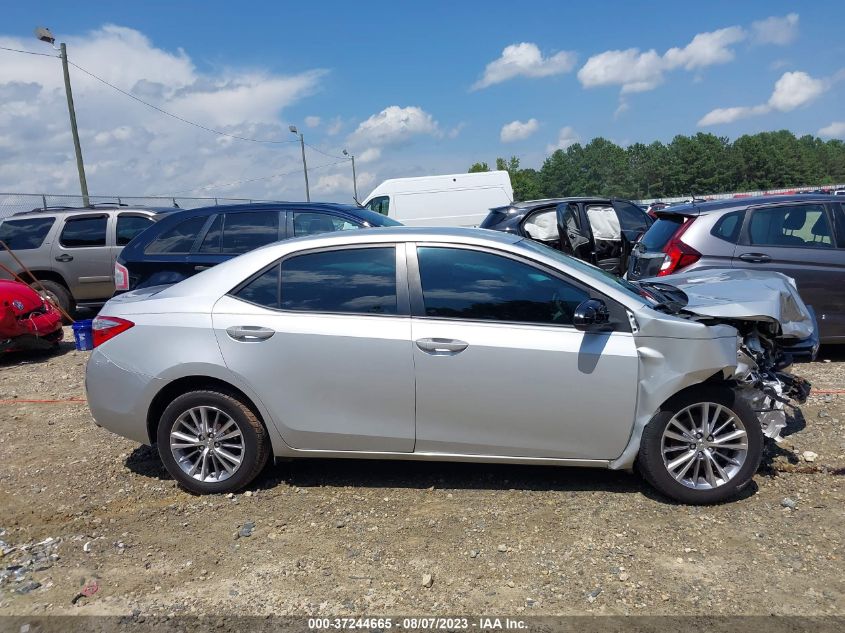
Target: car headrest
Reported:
[(821, 227), (795, 219)]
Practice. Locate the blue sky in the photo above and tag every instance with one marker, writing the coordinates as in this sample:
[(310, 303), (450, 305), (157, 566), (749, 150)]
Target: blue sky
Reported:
[(401, 85)]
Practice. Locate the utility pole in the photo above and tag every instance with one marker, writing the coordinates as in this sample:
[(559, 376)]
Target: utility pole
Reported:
[(44, 35), (293, 129), (354, 177)]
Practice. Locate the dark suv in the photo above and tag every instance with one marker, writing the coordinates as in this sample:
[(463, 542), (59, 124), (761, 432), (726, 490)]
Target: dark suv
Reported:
[(802, 236), (597, 230), (188, 242)]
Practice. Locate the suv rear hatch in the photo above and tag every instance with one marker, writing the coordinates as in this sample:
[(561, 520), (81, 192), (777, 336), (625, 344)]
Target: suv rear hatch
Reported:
[(661, 250)]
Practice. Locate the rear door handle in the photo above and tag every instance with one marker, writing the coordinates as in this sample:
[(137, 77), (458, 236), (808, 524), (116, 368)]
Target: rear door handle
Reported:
[(249, 333), (64, 257), (441, 345), (755, 258)]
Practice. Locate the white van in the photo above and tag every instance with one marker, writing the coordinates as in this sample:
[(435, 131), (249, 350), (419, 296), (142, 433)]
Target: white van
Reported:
[(450, 200)]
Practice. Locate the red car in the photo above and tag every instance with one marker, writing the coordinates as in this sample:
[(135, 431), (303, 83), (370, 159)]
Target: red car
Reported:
[(27, 321)]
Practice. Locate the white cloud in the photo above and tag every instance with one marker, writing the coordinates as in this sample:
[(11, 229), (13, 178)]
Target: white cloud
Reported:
[(775, 30), (834, 130), (524, 60), (312, 121), (130, 148), (566, 137), (518, 131), (334, 126), (791, 91), (395, 125), (706, 49), (796, 89), (369, 155)]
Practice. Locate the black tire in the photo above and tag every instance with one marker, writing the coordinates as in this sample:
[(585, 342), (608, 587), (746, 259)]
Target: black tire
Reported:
[(656, 472), (57, 293), (256, 443)]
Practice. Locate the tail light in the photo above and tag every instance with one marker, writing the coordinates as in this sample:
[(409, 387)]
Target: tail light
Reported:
[(121, 277), (105, 328), (679, 255)]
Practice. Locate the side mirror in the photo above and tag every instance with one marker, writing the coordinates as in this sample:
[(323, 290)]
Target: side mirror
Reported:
[(591, 315)]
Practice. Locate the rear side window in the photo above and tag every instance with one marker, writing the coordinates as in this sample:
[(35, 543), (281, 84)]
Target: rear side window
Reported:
[(465, 284), (177, 239), (631, 218), (360, 280), (211, 241), (661, 232), (728, 227), (803, 226), (263, 290), (246, 231), (20, 235), (84, 232), (315, 223), (128, 226), (839, 218)]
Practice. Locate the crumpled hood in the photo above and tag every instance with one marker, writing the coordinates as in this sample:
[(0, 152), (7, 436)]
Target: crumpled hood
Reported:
[(748, 295)]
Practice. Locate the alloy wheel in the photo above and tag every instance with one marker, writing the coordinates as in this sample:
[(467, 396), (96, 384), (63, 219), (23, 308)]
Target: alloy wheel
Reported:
[(207, 444), (704, 445)]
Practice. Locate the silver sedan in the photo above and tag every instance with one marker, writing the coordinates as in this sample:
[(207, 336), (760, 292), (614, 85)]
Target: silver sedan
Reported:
[(450, 344)]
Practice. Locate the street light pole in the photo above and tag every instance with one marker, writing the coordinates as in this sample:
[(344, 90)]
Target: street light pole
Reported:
[(354, 177), (80, 166), (293, 130)]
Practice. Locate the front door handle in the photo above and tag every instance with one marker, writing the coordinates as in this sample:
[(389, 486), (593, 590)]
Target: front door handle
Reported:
[(199, 268), (441, 345), (249, 333), (755, 258), (64, 257)]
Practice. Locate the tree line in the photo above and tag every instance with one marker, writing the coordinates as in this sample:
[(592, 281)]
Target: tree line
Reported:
[(689, 165)]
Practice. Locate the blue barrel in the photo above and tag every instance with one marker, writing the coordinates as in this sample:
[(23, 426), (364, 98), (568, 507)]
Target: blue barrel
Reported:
[(83, 335)]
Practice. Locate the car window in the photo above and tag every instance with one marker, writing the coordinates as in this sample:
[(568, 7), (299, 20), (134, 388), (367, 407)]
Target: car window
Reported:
[(20, 235), (128, 226), (360, 280), (803, 225), (263, 290), (315, 223), (631, 217), (246, 231), (839, 219), (542, 226), (177, 239), (84, 232), (467, 284), (728, 227), (212, 240), (381, 204)]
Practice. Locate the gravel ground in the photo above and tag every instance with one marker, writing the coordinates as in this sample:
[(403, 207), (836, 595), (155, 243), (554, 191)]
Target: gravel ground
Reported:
[(92, 524)]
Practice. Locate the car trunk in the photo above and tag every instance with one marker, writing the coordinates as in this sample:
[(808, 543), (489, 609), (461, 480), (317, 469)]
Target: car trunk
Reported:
[(660, 251)]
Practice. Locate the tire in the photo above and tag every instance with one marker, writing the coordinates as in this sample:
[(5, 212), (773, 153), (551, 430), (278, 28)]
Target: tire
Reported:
[(57, 293), (694, 486), (227, 414)]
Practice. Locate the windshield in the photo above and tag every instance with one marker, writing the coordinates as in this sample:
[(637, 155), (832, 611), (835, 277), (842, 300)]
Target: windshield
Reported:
[(634, 290)]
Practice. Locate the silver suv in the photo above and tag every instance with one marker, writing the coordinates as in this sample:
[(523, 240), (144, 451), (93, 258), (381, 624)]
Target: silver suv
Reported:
[(72, 250)]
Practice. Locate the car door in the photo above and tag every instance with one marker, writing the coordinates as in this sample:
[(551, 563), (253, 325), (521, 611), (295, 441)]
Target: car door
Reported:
[(82, 255), (500, 370), (574, 234), (323, 337), (797, 239), (633, 223)]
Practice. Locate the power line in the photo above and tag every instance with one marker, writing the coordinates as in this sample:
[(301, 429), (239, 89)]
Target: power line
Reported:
[(175, 116), (317, 149), (17, 50)]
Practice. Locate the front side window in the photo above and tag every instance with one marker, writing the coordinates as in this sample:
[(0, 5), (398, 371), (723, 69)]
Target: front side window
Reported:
[(381, 204), (357, 280), (804, 226), (177, 239), (467, 284), (20, 235), (316, 223), (128, 226), (246, 231), (84, 232)]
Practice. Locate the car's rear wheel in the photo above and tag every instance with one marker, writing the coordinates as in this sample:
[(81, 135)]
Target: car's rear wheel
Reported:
[(702, 447), (211, 442), (56, 293)]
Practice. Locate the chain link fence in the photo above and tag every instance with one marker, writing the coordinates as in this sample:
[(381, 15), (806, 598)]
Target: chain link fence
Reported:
[(11, 203)]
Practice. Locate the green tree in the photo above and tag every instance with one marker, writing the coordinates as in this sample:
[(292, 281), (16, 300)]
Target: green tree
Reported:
[(478, 167)]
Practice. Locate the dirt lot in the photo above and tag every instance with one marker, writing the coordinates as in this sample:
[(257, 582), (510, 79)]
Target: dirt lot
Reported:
[(344, 537)]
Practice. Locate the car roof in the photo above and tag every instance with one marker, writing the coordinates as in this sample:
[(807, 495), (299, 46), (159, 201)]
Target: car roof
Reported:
[(258, 206), (69, 210), (530, 205), (710, 206)]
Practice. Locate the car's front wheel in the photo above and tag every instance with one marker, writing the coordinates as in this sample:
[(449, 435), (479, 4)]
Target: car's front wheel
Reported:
[(702, 447), (212, 442)]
